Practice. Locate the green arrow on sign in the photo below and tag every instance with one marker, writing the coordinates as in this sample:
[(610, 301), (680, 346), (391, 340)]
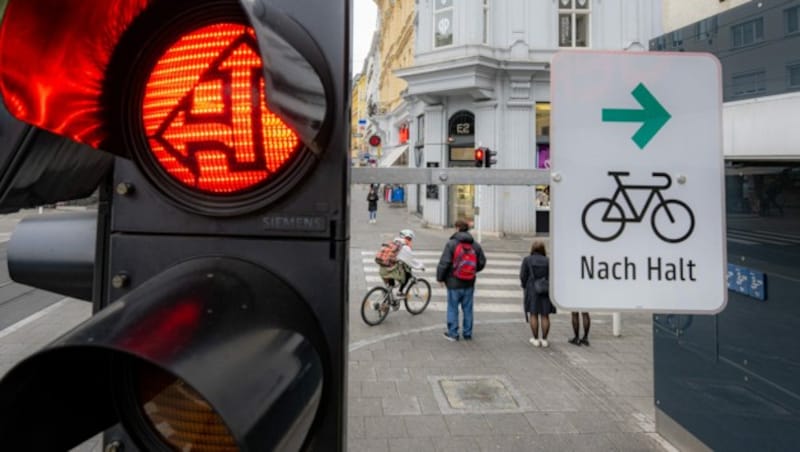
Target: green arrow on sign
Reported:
[(652, 116)]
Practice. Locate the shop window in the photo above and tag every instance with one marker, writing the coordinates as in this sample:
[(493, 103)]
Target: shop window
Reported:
[(543, 197), (573, 23), (442, 23), (543, 122), (748, 33)]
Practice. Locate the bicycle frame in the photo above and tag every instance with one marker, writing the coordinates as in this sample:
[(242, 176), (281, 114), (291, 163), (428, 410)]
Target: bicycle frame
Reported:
[(655, 190)]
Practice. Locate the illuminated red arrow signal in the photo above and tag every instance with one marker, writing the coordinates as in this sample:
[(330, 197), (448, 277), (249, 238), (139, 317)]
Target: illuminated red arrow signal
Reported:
[(205, 113)]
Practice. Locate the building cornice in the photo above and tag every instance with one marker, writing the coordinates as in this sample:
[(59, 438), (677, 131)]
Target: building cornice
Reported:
[(472, 75)]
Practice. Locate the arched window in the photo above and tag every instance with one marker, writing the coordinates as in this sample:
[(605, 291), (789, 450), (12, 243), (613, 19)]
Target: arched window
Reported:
[(462, 124)]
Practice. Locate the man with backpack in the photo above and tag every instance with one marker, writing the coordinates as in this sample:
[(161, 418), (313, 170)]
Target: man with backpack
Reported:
[(461, 260)]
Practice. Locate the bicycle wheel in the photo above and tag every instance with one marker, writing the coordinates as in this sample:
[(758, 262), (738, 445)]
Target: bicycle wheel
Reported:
[(375, 306), (418, 295), (672, 221), (604, 226)]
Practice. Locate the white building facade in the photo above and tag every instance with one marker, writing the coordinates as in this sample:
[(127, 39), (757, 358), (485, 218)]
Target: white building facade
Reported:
[(481, 77)]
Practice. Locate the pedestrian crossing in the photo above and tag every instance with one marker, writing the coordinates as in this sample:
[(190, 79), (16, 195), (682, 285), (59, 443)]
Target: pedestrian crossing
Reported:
[(497, 288), (761, 237)]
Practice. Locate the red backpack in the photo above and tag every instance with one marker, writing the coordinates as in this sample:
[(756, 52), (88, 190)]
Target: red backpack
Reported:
[(465, 262), (387, 255)]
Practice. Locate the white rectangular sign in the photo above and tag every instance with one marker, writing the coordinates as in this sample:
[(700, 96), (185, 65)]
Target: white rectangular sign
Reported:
[(637, 182)]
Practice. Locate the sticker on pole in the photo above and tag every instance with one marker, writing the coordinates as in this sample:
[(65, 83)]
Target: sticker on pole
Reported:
[(638, 209)]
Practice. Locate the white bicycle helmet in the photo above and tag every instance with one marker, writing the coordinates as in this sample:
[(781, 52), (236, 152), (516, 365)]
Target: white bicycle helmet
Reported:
[(407, 234)]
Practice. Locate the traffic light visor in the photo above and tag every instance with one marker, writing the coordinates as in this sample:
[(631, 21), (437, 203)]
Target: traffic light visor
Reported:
[(53, 56), (205, 116)]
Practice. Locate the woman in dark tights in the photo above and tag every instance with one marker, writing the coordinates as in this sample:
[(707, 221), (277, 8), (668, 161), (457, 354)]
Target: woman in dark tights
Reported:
[(537, 267), (576, 328)]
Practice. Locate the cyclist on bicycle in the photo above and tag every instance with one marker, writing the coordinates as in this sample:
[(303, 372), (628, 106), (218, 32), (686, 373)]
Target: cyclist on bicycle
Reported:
[(401, 272)]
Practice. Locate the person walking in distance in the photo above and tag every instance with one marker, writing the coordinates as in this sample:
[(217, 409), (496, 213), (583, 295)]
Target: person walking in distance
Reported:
[(576, 329), (372, 204), (534, 277), (461, 260)]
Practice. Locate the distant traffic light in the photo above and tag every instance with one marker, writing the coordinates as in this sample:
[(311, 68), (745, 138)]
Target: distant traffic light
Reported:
[(479, 156), (374, 140), (489, 158), (214, 329)]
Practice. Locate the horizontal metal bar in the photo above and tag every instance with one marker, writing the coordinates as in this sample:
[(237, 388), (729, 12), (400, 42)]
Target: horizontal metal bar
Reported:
[(450, 176)]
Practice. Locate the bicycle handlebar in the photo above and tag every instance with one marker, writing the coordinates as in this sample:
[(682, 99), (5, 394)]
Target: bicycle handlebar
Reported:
[(617, 174), (666, 176)]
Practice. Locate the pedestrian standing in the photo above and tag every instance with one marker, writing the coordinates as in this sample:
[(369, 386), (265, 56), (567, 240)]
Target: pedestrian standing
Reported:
[(576, 340), (534, 275), (461, 260), (372, 204)]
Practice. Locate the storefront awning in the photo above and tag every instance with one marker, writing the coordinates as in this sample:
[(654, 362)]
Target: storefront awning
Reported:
[(390, 155)]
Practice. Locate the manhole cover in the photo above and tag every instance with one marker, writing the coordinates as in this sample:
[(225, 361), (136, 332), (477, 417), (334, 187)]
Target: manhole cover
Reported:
[(476, 394)]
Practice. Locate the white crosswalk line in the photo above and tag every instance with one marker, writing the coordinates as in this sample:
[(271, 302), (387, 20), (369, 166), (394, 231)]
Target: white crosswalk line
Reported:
[(499, 308), (428, 262), (489, 255), (431, 271), (499, 280), (480, 281)]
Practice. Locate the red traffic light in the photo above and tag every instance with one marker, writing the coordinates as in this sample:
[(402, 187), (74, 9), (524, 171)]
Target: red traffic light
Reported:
[(374, 140), (205, 115), (479, 157)]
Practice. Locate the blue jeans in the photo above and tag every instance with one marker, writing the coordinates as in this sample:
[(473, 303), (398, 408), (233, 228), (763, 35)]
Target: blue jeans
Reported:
[(373, 214), (462, 297)]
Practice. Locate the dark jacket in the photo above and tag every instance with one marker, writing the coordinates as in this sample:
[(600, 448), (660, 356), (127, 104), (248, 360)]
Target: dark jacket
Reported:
[(444, 271), (534, 267), (372, 199)]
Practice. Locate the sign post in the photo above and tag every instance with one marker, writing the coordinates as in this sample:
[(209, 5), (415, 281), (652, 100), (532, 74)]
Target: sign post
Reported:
[(638, 213)]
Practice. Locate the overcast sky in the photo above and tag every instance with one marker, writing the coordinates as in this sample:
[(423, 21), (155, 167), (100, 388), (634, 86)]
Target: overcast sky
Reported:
[(364, 13)]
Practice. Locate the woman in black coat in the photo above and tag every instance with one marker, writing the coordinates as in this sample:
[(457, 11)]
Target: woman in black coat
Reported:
[(537, 303)]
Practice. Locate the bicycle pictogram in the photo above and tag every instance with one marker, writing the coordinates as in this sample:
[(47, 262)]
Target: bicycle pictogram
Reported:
[(604, 219)]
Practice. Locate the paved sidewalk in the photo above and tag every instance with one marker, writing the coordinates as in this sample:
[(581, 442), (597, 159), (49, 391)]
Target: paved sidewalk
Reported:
[(411, 390)]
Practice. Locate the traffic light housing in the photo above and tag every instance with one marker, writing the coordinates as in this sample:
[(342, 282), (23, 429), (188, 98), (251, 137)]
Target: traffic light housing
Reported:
[(226, 203), (489, 158), (479, 157)]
